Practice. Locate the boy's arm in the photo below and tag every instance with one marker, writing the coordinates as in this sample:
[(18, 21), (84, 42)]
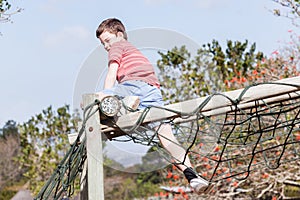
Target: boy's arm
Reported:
[(111, 76), (110, 79)]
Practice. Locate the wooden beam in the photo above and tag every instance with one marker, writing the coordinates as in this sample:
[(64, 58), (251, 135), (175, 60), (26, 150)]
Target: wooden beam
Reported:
[(218, 104), (95, 181)]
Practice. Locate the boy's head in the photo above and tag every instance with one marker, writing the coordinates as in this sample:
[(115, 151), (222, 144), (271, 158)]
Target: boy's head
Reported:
[(111, 25)]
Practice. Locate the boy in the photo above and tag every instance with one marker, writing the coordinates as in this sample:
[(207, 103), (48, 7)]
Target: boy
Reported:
[(135, 76)]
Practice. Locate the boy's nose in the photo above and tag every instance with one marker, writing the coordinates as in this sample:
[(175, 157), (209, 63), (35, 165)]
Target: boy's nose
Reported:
[(106, 47)]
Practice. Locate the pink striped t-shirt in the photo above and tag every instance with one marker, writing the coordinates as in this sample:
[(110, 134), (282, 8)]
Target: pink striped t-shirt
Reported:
[(133, 65)]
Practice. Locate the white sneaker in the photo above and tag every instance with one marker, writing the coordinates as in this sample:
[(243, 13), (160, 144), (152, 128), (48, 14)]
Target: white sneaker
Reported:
[(200, 185)]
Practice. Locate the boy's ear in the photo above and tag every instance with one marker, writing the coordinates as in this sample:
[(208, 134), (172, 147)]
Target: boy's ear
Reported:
[(120, 34)]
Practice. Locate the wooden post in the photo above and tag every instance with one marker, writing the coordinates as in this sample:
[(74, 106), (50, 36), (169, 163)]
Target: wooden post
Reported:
[(94, 179)]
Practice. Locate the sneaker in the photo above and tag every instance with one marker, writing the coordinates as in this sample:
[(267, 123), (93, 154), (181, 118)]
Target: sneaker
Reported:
[(200, 185)]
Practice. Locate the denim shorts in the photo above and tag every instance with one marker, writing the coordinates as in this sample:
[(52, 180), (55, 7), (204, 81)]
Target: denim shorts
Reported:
[(149, 95)]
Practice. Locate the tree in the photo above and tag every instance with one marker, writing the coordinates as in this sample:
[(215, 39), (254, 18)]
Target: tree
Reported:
[(43, 141), (214, 69), (6, 12), (184, 77), (10, 128), (292, 12), (9, 149)]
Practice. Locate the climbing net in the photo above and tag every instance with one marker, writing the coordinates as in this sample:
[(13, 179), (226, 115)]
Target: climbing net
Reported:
[(224, 135), (62, 182), (232, 140)]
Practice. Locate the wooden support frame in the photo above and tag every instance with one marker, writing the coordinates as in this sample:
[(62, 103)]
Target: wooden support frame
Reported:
[(93, 182)]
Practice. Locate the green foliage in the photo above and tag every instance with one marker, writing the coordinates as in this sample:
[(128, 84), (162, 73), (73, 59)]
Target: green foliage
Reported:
[(6, 11), (9, 129), (214, 69), (9, 149), (290, 11), (129, 188), (4, 6), (43, 141), (183, 77), (7, 194), (11, 187), (123, 185)]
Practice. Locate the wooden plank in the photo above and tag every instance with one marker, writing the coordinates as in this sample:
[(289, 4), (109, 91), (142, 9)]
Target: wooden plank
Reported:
[(223, 110), (94, 154), (262, 91), (113, 131)]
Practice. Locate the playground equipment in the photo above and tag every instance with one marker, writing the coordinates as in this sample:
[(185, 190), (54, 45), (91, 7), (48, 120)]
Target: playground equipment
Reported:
[(234, 133)]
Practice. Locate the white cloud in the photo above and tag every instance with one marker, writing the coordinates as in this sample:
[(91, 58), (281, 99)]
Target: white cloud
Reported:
[(67, 36)]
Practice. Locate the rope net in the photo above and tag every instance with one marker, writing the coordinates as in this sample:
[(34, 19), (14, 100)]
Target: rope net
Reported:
[(62, 182), (263, 134), (228, 141)]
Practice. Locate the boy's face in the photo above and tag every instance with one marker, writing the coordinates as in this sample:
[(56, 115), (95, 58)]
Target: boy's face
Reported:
[(108, 39)]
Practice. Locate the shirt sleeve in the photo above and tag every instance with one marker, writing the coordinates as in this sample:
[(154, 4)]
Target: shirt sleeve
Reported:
[(115, 53)]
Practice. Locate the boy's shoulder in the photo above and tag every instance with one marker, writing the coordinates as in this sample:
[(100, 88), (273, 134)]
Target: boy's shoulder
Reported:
[(124, 44)]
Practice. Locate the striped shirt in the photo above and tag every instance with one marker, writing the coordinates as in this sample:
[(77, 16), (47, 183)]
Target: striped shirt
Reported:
[(133, 65)]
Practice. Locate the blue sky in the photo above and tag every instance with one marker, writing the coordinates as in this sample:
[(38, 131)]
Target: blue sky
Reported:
[(43, 49)]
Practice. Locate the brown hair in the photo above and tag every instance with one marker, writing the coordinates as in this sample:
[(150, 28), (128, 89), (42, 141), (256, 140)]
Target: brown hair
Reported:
[(111, 25)]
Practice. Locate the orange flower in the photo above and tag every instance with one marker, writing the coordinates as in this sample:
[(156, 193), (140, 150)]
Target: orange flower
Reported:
[(208, 166), (186, 196), (224, 169), (169, 175), (176, 177), (239, 163), (243, 79), (278, 137), (217, 149), (205, 159), (265, 175), (219, 171), (180, 190), (174, 167), (235, 183), (204, 174), (234, 79), (214, 157), (161, 194)]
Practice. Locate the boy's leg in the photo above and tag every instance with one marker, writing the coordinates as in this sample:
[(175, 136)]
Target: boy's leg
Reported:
[(170, 143)]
